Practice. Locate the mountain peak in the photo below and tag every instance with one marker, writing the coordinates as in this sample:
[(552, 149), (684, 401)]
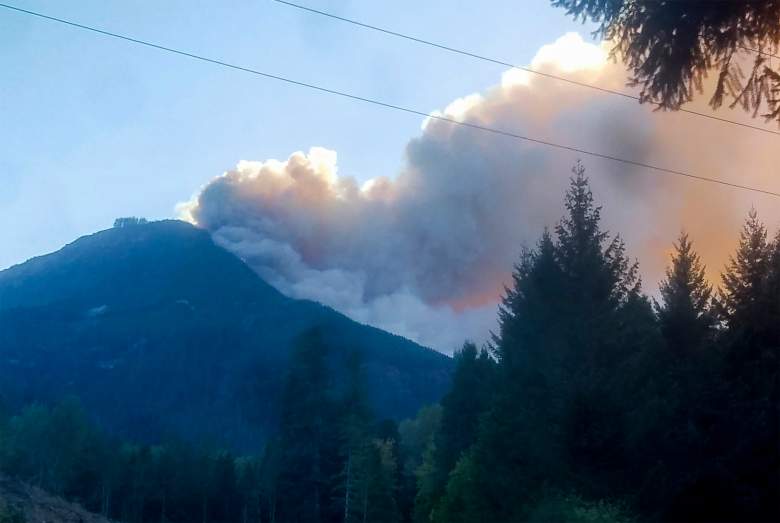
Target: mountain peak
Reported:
[(140, 264), (155, 328)]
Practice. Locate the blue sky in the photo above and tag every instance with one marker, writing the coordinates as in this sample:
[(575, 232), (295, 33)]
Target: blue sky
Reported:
[(93, 128)]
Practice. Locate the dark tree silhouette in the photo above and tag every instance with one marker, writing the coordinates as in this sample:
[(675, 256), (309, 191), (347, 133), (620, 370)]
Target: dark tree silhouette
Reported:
[(569, 325), (685, 309), (307, 437), (670, 46), (739, 302), (462, 408)]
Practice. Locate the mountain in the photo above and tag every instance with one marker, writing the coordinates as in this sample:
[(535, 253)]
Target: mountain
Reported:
[(159, 331)]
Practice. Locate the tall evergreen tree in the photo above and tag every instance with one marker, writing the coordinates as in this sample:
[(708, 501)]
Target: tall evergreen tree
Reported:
[(685, 310), (745, 430), (596, 269), (377, 501), (463, 406), (606, 322), (418, 473), (673, 382), (529, 307), (771, 304), (354, 436), (572, 319), (745, 277), (306, 437), (462, 409)]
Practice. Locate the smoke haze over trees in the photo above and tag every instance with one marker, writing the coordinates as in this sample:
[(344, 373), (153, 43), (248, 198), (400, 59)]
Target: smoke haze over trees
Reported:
[(592, 403), (425, 254)]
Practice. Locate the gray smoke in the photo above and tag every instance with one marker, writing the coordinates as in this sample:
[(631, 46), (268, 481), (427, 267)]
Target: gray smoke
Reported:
[(426, 254)]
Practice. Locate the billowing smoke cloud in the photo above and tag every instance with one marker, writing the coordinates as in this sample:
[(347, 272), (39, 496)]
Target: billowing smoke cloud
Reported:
[(426, 254)]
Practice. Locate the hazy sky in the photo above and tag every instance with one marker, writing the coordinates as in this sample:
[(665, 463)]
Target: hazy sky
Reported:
[(92, 128)]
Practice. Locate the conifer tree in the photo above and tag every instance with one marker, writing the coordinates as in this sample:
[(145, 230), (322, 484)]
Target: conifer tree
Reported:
[(572, 318), (417, 450), (746, 428), (354, 437), (492, 480), (772, 294), (306, 436), (745, 277), (675, 378), (469, 397), (462, 407), (598, 273), (379, 503), (684, 312), (528, 305), (604, 323)]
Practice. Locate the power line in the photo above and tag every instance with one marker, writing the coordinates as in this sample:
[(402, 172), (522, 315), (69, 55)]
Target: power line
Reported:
[(389, 105), (513, 66), (757, 51)]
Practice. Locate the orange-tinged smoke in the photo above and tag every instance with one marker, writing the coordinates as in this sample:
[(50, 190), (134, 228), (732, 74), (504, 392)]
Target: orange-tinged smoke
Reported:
[(427, 253)]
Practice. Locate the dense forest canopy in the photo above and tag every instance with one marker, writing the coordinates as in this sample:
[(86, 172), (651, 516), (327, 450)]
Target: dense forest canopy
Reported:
[(593, 403), (670, 46)]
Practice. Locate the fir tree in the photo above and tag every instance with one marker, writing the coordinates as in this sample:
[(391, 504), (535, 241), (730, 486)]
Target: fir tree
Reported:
[(529, 305), (354, 437), (571, 321), (684, 312), (596, 268), (771, 305), (746, 427), (379, 503), (306, 436), (462, 408), (745, 276)]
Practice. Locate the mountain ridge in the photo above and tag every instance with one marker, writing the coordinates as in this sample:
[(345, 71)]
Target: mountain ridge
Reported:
[(156, 329)]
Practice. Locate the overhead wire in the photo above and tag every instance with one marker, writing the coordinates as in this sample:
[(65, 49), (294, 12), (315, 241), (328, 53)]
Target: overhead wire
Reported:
[(504, 63), (387, 105)]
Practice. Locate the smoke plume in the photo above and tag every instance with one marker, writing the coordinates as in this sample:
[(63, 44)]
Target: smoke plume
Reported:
[(426, 254)]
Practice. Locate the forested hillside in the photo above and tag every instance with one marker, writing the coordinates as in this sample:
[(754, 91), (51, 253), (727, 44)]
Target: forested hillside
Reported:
[(332, 459), (158, 331)]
